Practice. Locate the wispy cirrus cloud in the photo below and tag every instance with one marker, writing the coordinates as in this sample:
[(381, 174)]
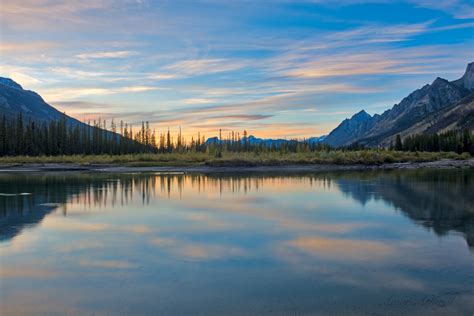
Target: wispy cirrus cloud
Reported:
[(201, 66), (244, 117), (161, 76), (198, 101), (67, 94), (24, 78), (26, 46), (103, 55), (459, 9), (136, 89), (205, 66), (77, 73), (355, 61), (377, 33)]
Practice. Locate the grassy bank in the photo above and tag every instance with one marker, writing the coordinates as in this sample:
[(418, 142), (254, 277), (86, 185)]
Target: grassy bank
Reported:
[(366, 157)]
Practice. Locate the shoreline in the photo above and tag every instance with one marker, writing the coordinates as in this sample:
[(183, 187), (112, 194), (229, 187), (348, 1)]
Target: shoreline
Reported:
[(117, 168)]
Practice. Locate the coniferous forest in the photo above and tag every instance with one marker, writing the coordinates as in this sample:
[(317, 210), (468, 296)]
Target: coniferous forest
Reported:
[(20, 137), (450, 141), (30, 138)]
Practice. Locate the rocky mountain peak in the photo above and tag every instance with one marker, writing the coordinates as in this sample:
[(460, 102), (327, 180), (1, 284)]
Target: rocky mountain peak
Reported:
[(439, 82), (361, 116), (10, 83), (467, 80), (350, 129)]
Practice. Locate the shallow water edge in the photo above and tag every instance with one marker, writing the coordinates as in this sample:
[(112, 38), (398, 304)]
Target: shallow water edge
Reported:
[(439, 164)]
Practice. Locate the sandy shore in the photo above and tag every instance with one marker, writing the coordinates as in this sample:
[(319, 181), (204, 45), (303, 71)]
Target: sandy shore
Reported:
[(440, 164)]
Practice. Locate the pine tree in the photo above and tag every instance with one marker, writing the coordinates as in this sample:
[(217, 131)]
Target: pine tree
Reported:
[(168, 141), (3, 136), (398, 143), (466, 140)]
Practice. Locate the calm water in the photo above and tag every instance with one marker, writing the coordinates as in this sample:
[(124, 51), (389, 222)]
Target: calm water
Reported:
[(388, 243)]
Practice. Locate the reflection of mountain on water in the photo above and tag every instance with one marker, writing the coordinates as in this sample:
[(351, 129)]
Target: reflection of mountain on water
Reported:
[(439, 200), (25, 200), (18, 218)]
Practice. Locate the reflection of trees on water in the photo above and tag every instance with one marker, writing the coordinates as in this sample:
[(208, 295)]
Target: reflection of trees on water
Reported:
[(46, 193), (441, 200)]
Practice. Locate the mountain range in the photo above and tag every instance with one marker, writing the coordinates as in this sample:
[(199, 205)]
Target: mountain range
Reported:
[(437, 107), (434, 108), (269, 142)]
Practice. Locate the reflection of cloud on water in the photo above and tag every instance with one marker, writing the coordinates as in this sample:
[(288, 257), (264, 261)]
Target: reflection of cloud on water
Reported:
[(138, 229), (228, 213), (74, 225), (194, 251), (80, 245), (24, 271), (359, 264), (106, 264), (406, 265), (341, 249), (207, 221), (71, 225)]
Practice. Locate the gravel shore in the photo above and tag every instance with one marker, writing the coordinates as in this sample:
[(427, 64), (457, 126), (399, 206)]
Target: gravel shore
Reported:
[(439, 164)]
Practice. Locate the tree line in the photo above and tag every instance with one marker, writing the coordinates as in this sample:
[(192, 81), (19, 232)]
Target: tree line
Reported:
[(458, 141), (31, 138), (27, 137)]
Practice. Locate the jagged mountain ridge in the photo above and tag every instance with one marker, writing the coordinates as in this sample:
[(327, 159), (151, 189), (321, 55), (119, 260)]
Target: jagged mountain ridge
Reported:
[(352, 128), (467, 80), (15, 100), (458, 116), (414, 114)]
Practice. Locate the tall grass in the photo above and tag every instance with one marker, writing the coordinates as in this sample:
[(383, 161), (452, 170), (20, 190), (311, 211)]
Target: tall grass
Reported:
[(365, 157)]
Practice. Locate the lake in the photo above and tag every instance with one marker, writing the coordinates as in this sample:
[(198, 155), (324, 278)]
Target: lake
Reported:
[(391, 243)]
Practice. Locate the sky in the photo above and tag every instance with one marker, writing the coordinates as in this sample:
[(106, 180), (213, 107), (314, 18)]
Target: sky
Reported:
[(281, 68)]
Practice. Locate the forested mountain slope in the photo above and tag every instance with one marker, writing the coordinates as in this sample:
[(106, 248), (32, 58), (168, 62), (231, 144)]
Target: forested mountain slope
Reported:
[(437, 107)]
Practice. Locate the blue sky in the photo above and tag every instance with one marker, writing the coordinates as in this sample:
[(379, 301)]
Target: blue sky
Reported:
[(276, 68)]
